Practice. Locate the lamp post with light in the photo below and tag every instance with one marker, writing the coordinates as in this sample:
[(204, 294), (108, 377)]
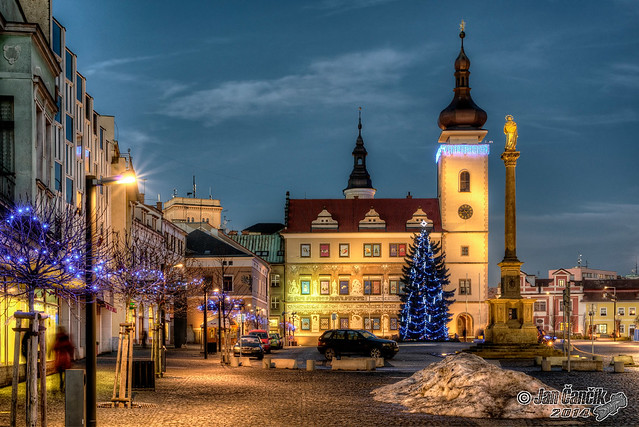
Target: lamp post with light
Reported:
[(614, 310), (92, 182)]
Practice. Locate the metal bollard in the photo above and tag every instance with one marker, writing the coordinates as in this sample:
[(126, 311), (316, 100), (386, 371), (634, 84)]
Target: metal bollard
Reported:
[(546, 366), (310, 365), (75, 398), (619, 367)]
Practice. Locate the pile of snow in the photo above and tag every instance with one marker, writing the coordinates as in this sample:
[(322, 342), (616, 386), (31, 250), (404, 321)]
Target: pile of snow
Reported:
[(465, 385)]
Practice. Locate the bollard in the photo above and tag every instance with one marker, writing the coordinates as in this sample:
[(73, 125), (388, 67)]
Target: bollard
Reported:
[(266, 363), (310, 365), (619, 367), (74, 398), (546, 366), (596, 357), (235, 362)]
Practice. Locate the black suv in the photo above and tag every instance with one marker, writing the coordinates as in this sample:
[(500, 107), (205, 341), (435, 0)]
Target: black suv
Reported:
[(336, 342)]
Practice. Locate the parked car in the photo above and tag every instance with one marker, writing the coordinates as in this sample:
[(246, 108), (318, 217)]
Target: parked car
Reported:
[(263, 335), (248, 345), (276, 341), (336, 342)]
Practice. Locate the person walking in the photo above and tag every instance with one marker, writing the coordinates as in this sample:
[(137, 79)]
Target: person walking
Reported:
[(64, 350)]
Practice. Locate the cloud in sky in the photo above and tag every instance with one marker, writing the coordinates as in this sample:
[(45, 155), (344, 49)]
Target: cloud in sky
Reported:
[(354, 77)]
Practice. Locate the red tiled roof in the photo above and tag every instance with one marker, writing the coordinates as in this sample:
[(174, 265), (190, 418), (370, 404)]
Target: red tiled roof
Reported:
[(349, 212)]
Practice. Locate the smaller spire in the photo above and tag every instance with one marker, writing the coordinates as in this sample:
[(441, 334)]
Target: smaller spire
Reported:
[(359, 182), (359, 125)]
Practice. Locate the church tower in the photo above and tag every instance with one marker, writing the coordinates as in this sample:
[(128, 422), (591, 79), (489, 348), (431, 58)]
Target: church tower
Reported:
[(360, 185), (462, 189)]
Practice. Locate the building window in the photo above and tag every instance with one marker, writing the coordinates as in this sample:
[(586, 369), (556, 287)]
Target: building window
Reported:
[(464, 251), (306, 286), (101, 138), (305, 250), (57, 38), (396, 287), (602, 328), (344, 251), (464, 287), (540, 306), (325, 250), (622, 328), (464, 182), (227, 283), (397, 250), (632, 311), (372, 250), (343, 287), (372, 285), (561, 305), (58, 177), (275, 303), (621, 311), (69, 131), (324, 323), (69, 65), (562, 282), (603, 311), (78, 88), (275, 280), (325, 285), (306, 323), (343, 322), (69, 193), (393, 323)]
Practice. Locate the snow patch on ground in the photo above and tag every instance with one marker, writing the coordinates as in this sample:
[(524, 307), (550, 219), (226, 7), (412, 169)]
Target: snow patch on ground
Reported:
[(465, 385)]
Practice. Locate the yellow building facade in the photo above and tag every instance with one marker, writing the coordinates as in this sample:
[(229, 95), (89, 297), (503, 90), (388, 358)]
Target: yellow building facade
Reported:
[(344, 257)]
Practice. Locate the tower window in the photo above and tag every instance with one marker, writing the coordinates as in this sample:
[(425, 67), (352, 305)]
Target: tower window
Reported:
[(464, 287), (464, 250), (464, 182)]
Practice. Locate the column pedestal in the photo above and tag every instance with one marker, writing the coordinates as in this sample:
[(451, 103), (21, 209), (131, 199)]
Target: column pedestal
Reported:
[(511, 321)]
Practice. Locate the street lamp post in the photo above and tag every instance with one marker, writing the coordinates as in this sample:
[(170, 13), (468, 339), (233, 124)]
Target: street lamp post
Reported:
[(614, 311), (91, 182), (592, 331)]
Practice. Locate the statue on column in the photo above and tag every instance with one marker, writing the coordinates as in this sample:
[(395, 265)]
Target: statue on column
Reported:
[(510, 129)]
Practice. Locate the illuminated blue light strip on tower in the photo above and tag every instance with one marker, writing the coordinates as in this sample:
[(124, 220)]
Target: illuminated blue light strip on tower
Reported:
[(468, 150)]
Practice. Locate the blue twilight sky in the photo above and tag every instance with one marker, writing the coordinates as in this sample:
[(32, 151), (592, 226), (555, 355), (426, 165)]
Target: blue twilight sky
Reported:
[(259, 97)]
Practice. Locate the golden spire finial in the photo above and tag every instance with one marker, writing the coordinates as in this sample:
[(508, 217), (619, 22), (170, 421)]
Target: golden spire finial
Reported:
[(462, 26)]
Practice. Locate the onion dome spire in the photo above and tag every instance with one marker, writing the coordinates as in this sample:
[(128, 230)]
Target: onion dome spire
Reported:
[(359, 182), (462, 112)]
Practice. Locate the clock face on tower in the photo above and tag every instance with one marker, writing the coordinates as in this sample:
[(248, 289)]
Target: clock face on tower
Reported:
[(465, 211)]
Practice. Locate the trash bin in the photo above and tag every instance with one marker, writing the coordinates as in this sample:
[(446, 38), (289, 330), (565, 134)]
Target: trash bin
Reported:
[(143, 375)]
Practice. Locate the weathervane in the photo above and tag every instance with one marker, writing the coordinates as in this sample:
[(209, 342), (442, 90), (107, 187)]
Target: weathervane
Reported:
[(462, 26)]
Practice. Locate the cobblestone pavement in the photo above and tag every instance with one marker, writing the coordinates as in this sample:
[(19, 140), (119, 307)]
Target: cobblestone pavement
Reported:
[(197, 392)]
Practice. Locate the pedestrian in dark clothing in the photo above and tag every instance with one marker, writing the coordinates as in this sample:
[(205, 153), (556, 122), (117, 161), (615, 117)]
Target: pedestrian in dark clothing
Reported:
[(144, 337), (464, 334), (64, 350)]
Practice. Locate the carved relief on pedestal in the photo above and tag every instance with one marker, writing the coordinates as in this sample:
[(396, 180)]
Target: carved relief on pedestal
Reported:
[(315, 290), (385, 287), (356, 322), (356, 268), (334, 288), (314, 323), (357, 288)]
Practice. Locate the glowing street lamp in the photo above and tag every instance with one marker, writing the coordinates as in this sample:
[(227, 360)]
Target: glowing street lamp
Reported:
[(91, 314)]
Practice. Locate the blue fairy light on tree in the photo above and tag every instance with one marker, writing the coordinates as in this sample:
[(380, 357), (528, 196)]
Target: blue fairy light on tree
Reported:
[(424, 313)]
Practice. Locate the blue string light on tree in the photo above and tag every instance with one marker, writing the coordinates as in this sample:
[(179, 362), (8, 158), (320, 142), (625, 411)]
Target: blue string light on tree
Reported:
[(424, 313)]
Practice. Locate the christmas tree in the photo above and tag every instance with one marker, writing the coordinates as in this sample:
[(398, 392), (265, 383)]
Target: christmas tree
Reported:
[(425, 304)]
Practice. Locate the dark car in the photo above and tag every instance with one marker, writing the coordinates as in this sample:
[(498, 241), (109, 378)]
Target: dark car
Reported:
[(248, 346), (336, 342), (263, 336)]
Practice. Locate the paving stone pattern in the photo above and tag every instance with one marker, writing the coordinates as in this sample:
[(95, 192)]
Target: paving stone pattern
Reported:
[(198, 392)]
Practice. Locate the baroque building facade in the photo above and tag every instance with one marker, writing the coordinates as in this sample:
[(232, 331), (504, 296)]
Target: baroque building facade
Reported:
[(344, 257)]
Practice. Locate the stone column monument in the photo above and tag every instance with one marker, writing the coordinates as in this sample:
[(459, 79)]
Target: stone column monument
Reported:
[(511, 317)]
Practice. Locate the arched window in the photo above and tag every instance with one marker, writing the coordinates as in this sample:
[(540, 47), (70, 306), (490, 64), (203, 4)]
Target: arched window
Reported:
[(464, 182)]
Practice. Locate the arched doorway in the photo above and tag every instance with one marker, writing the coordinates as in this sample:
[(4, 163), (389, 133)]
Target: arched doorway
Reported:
[(465, 326)]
